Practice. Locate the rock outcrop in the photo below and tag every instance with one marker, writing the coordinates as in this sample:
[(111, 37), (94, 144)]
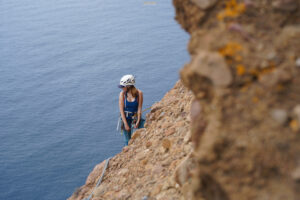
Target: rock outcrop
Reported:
[(233, 131), (244, 75), (145, 169)]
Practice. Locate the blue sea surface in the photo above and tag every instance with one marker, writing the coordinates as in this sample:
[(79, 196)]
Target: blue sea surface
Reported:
[(60, 64)]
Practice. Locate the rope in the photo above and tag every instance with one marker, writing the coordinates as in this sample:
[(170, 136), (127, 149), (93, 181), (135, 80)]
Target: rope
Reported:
[(106, 164), (119, 119), (99, 181), (146, 109)]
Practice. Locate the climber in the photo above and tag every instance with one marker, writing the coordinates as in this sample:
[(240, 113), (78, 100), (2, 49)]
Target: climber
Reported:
[(130, 104)]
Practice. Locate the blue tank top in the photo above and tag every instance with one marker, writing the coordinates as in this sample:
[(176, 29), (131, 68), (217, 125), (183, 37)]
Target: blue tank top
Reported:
[(131, 106)]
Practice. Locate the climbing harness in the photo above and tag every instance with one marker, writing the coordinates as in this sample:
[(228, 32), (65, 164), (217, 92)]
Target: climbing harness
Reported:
[(126, 113), (100, 180)]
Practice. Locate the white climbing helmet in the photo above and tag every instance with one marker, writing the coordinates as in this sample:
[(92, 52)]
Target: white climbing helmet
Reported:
[(127, 80)]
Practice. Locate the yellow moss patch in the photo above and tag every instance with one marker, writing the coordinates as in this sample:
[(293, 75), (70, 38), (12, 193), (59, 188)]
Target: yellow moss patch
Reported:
[(232, 10)]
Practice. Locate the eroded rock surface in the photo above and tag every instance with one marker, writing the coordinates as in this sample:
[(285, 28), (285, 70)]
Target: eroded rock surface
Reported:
[(240, 136), (245, 128), (146, 168)]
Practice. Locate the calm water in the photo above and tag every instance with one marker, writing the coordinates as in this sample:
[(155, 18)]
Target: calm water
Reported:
[(60, 64)]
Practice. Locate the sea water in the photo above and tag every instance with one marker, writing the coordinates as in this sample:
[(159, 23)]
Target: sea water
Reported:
[(60, 64)]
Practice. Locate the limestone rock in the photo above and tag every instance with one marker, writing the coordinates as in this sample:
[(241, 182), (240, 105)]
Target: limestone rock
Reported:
[(148, 144), (297, 112), (144, 162), (195, 110), (288, 34), (183, 171), (296, 174), (187, 137), (280, 115), (156, 190), (237, 151), (204, 4), (285, 5), (213, 66), (170, 131), (298, 62), (276, 77), (136, 134), (125, 149), (123, 171), (166, 143), (100, 190), (158, 169), (92, 178)]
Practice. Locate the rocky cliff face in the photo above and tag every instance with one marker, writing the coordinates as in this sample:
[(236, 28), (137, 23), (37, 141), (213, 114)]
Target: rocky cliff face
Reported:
[(244, 73), (240, 136), (146, 167)]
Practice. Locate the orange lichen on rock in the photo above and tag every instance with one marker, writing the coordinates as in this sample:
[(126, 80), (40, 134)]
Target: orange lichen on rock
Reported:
[(240, 70), (264, 71), (268, 69), (279, 87), (260, 72), (232, 10), (255, 99), (231, 53), (254, 72), (245, 88), (239, 139), (230, 50), (294, 125), (238, 58)]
